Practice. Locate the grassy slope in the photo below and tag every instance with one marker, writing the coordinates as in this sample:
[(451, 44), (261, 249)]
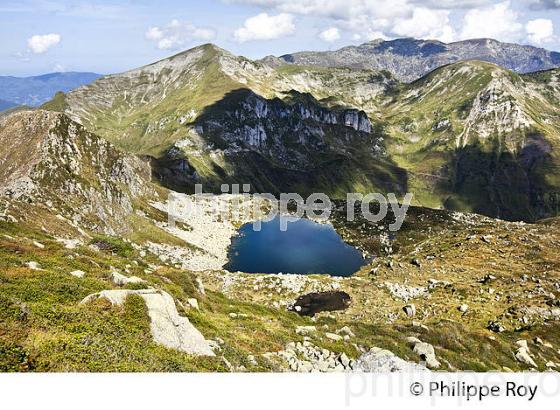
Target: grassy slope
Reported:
[(44, 328), (437, 167)]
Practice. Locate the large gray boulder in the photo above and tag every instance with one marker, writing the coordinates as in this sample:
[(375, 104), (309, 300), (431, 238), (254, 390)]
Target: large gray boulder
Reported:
[(167, 326)]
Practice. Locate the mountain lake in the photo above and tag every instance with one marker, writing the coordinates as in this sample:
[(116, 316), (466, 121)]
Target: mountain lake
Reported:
[(305, 247)]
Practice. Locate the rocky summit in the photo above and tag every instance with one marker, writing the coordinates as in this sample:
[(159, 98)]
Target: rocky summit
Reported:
[(94, 277)]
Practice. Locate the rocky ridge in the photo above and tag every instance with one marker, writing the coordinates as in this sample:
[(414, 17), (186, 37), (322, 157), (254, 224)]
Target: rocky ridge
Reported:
[(54, 161), (409, 59)]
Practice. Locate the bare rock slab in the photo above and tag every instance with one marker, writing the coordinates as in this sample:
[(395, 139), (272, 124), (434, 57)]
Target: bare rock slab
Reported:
[(167, 326)]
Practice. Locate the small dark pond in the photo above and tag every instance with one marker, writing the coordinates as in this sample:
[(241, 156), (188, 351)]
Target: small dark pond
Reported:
[(305, 247)]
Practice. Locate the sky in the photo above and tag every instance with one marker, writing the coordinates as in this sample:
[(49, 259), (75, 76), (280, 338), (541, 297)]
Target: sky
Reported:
[(42, 36)]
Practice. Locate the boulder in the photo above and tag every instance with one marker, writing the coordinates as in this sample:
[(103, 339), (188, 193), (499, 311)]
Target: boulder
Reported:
[(193, 303), (33, 265), (39, 245), (487, 279), (410, 310), (344, 360), (168, 328), (78, 273), (305, 330), (200, 286), (121, 280), (522, 344), (495, 326), (333, 336), (378, 360), (522, 355), (427, 354), (305, 367), (346, 331), (411, 340), (425, 351)]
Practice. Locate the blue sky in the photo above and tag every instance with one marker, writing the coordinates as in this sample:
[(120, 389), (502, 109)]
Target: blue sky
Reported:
[(41, 36)]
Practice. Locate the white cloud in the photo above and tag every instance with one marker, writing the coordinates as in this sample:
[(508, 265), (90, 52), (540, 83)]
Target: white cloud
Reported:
[(154, 33), (336, 9), (426, 23), (376, 35), (540, 31), (38, 44), (498, 22), (330, 34), (444, 20), (265, 27), (373, 19), (177, 34)]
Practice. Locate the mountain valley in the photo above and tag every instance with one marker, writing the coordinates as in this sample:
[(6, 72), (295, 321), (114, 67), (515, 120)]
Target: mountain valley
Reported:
[(94, 277)]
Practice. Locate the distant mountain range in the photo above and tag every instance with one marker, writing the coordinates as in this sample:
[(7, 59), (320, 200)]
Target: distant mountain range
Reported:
[(409, 59), (34, 91)]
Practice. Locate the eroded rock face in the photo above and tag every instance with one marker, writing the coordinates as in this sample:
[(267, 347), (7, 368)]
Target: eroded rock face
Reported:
[(282, 129), (167, 326), (312, 303)]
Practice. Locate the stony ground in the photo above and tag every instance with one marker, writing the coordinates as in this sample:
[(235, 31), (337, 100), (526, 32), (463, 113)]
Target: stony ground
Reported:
[(447, 292)]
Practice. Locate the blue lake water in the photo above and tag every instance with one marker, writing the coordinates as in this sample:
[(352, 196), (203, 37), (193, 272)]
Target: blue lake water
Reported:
[(305, 247)]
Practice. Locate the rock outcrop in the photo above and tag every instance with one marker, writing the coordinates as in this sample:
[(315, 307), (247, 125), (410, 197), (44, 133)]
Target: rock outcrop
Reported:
[(425, 352), (305, 357), (167, 326), (378, 360)]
